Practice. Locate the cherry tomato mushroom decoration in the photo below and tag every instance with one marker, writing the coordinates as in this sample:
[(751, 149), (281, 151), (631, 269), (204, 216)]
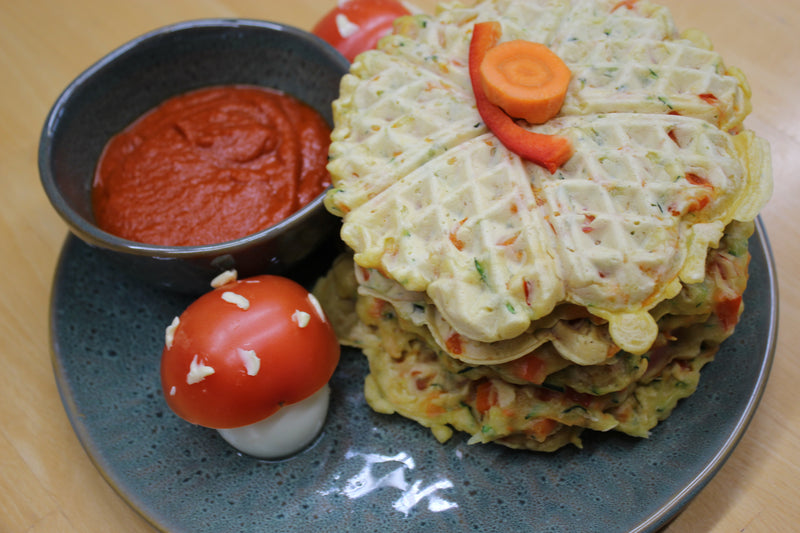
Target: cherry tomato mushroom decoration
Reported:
[(252, 358), (354, 26)]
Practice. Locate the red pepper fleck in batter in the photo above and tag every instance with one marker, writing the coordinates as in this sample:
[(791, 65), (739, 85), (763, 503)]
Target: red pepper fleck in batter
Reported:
[(210, 166)]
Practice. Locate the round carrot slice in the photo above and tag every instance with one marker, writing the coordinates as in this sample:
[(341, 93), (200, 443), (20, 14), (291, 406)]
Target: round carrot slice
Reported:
[(526, 79)]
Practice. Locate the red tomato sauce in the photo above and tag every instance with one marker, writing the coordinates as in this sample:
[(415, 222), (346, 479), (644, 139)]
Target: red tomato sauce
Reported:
[(210, 166)]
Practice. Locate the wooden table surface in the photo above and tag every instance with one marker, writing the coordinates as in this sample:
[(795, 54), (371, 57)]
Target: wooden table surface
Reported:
[(47, 481)]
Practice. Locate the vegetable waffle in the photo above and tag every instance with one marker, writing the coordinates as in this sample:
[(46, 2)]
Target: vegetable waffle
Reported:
[(519, 305)]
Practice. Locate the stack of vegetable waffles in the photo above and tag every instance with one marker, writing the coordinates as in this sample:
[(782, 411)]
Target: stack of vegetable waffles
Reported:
[(523, 305)]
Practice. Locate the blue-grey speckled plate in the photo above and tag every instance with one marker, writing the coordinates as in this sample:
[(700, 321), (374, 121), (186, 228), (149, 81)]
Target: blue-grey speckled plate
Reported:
[(371, 472)]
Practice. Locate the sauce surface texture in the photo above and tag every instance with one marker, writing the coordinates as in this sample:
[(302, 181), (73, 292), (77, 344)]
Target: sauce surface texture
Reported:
[(210, 166)]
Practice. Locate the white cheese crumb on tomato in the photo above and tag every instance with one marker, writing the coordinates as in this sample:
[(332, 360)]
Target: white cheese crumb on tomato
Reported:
[(237, 299), (317, 307), (169, 335), (223, 279), (252, 363), (198, 371), (345, 26), (301, 318)]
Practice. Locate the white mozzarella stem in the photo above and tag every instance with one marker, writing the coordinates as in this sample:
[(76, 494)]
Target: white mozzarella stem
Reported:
[(288, 431)]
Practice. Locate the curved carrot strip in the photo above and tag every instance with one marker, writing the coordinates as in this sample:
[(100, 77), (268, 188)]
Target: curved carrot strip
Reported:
[(548, 151), (526, 79)]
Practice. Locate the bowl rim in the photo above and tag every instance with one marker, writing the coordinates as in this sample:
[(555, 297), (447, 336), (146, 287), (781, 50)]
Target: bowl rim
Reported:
[(93, 234)]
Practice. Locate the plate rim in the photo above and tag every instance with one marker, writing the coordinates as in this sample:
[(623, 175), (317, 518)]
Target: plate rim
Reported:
[(678, 502)]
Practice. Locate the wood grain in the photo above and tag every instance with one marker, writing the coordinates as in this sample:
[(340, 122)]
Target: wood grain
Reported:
[(48, 483)]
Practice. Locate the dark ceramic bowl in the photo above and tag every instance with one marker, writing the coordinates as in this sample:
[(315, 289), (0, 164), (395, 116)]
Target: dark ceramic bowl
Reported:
[(141, 74)]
